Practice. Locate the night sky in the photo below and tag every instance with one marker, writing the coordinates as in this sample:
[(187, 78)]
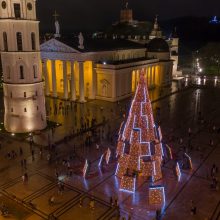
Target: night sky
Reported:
[(97, 14)]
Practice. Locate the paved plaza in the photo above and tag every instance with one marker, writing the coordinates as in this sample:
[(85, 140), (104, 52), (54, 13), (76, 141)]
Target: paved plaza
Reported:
[(176, 113)]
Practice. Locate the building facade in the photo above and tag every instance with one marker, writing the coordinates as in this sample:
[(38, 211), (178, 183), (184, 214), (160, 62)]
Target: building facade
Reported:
[(24, 98), (105, 72)]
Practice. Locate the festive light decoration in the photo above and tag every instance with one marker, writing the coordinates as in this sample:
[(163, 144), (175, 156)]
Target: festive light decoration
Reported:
[(100, 160), (178, 172), (85, 168), (189, 160), (120, 148), (128, 184), (108, 155), (156, 195), (169, 152), (139, 135)]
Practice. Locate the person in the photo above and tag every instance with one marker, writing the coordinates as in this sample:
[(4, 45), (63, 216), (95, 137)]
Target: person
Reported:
[(92, 204), (80, 202), (20, 151), (111, 201), (51, 200), (193, 208)]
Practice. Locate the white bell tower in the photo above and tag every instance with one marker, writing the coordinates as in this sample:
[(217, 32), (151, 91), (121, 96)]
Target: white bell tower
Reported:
[(20, 54)]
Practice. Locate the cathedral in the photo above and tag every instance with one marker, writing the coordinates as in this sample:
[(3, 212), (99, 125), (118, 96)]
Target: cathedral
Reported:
[(108, 67), (76, 69)]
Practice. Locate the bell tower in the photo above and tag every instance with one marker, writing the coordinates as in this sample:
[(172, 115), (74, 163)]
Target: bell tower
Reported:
[(24, 99)]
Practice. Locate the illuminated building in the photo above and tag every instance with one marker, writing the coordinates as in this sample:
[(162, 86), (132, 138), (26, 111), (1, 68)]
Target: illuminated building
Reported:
[(105, 69), (20, 55)]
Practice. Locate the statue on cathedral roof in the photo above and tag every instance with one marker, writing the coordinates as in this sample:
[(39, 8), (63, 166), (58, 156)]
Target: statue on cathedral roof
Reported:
[(57, 25), (81, 41)]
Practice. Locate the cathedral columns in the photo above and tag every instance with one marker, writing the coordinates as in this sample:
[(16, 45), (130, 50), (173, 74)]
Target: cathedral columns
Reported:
[(72, 86), (94, 82), (65, 85), (45, 71), (151, 76), (54, 80), (81, 82)]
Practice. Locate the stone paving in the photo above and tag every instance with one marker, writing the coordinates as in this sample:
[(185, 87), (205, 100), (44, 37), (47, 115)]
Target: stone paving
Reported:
[(177, 113)]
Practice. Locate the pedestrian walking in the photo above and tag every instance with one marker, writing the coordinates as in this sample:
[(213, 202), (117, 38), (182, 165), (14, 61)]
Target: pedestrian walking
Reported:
[(25, 163), (111, 201), (193, 208), (20, 151), (92, 204), (80, 202)]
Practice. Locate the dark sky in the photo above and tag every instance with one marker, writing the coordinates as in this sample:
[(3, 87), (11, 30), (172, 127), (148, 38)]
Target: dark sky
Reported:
[(97, 14)]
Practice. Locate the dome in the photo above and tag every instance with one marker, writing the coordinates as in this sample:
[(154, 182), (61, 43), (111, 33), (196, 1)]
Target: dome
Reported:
[(158, 45)]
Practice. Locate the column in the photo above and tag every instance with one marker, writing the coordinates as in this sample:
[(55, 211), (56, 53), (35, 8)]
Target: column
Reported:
[(54, 80), (134, 76), (73, 87), (45, 71), (94, 83), (65, 85), (154, 76), (81, 82), (151, 76)]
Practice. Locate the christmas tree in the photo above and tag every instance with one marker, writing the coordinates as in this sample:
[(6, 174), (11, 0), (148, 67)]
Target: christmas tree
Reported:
[(139, 145)]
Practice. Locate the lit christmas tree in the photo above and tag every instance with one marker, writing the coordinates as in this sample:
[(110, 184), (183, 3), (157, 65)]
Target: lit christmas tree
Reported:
[(139, 148)]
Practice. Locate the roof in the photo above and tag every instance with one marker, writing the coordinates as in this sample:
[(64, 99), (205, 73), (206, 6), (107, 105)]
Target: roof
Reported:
[(94, 45), (158, 45)]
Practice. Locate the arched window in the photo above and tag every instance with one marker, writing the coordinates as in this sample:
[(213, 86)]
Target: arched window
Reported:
[(25, 110), (19, 41), (33, 41), (5, 40), (35, 71), (21, 72)]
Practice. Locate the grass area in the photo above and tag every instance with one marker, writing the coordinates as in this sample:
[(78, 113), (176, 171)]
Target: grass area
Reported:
[(15, 210)]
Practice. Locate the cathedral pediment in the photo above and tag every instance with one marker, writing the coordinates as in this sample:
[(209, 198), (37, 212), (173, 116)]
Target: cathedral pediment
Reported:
[(54, 45)]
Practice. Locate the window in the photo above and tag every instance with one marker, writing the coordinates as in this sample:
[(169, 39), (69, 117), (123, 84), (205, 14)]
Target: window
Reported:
[(17, 10), (36, 93), (35, 71), (11, 109), (29, 6), (37, 108), (24, 94), (11, 94), (19, 41), (21, 72), (5, 40), (4, 5), (25, 110), (33, 41)]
